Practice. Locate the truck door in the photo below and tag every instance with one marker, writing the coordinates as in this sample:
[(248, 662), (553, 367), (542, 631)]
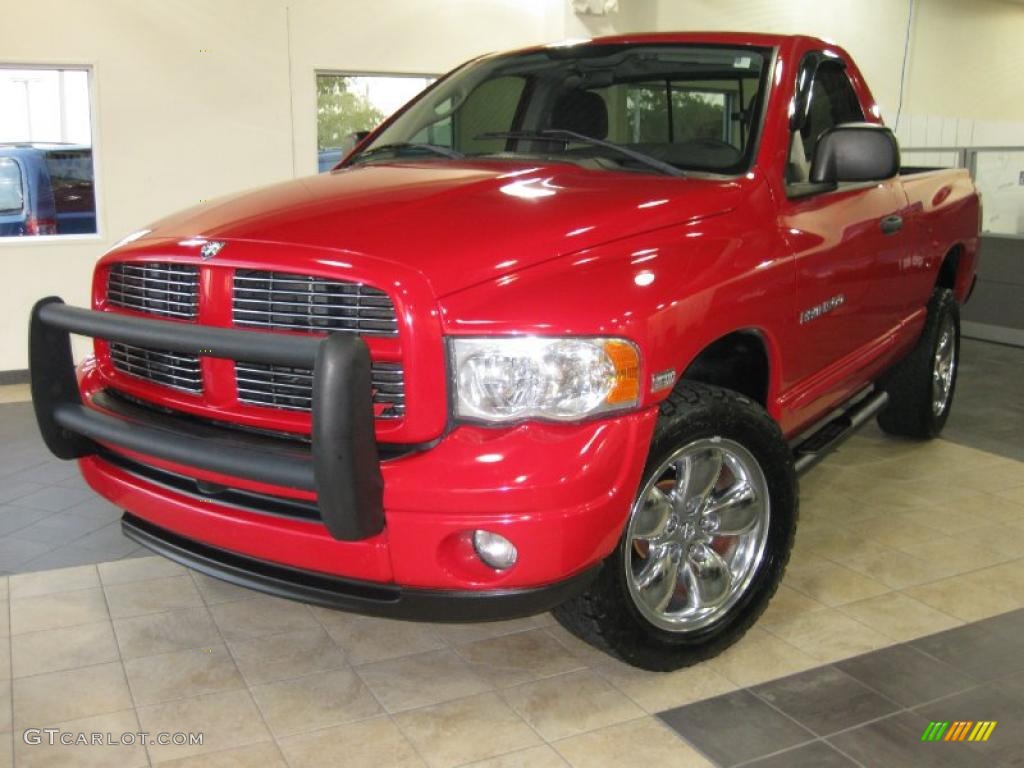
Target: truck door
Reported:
[(847, 240)]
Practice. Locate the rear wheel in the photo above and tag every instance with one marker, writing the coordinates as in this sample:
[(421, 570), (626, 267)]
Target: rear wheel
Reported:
[(707, 538), (921, 387)]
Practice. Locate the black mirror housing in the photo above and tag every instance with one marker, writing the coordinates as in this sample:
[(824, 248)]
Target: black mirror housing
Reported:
[(855, 152)]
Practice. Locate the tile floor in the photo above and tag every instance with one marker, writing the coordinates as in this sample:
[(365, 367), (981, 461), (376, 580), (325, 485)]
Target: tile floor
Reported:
[(904, 602)]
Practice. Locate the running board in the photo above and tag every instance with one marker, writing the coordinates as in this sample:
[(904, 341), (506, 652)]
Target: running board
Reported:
[(836, 430)]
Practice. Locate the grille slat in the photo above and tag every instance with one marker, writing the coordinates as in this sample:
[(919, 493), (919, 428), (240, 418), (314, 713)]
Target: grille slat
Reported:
[(307, 303), (279, 386), (156, 288), (170, 369)]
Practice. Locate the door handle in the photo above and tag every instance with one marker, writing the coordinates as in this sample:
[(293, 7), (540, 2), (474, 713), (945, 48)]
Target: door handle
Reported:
[(891, 224)]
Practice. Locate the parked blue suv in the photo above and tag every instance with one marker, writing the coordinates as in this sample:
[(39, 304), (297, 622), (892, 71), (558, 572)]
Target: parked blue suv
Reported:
[(46, 189)]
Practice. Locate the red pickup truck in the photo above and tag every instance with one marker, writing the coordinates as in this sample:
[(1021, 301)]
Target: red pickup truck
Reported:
[(561, 333)]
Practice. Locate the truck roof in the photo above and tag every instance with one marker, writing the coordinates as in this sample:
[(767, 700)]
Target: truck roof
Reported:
[(723, 38)]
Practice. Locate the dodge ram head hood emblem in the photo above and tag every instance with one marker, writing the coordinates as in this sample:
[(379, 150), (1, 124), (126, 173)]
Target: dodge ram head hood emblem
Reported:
[(211, 249)]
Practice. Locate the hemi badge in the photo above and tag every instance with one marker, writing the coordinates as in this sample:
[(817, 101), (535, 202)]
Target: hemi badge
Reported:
[(663, 380)]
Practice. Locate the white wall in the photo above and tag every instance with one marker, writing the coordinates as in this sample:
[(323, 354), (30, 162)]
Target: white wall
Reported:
[(199, 98)]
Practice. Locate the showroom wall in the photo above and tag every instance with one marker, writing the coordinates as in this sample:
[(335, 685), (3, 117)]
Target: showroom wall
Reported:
[(194, 99)]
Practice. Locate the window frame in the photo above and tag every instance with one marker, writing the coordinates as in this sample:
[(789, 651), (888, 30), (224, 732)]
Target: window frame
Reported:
[(94, 136)]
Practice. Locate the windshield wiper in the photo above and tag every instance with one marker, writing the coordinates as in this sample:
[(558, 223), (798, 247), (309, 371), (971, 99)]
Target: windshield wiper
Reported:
[(397, 147), (564, 136)]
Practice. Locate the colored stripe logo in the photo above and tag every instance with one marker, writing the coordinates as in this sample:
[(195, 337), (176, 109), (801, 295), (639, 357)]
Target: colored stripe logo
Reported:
[(958, 730)]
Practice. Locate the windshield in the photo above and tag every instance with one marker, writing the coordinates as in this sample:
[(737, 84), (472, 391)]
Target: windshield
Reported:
[(616, 107)]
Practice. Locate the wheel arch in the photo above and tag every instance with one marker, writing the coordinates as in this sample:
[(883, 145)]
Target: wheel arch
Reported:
[(742, 360)]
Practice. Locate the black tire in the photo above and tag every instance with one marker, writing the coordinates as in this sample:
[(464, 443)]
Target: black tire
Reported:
[(606, 615), (910, 383)]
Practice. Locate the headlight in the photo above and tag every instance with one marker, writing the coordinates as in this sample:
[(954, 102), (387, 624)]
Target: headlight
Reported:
[(561, 379)]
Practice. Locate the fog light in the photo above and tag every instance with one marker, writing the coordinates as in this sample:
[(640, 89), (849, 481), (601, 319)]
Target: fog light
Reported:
[(494, 549)]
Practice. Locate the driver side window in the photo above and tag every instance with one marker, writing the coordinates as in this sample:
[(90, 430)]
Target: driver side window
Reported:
[(833, 102)]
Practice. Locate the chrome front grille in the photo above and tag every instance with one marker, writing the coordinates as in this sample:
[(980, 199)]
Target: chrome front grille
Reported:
[(306, 303), (280, 386), (155, 288), (170, 369)]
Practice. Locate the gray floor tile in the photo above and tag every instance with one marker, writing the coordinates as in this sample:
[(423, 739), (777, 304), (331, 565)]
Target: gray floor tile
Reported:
[(989, 702), (817, 754), (14, 552), (906, 675), (975, 649), (61, 528), (53, 498), (826, 700), (15, 518), (895, 742), (61, 557), (108, 541), (735, 728), (16, 488)]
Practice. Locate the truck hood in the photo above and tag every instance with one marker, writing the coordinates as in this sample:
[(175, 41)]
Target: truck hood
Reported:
[(457, 224)]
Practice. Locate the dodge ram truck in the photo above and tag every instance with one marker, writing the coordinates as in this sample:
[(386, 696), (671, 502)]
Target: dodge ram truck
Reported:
[(562, 333)]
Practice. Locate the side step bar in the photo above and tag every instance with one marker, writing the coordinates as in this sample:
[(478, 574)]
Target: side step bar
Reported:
[(812, 448)]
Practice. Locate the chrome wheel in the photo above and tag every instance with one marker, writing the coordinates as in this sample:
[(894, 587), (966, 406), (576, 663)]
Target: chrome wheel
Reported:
[(944, 366), (697, 534)]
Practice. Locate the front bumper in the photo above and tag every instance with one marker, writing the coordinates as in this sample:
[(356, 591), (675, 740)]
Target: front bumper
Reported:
[(342, 511)]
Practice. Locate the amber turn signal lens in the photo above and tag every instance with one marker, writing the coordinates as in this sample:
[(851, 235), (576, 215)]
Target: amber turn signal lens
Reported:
[(626, 361)]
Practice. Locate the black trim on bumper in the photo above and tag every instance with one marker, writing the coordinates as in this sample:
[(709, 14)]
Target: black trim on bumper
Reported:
[(388, 600), (343, 467)]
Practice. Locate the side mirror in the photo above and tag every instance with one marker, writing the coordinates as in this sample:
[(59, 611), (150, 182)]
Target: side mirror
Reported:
[(855, 152)]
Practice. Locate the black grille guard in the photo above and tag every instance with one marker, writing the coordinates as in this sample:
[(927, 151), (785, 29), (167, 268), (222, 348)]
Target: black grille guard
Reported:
[(343, 467)]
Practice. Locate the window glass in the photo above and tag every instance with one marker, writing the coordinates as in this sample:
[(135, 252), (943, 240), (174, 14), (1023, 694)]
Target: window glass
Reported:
[(350, 104), (47, 175), (12, 195), (689, 106), (833, 102)]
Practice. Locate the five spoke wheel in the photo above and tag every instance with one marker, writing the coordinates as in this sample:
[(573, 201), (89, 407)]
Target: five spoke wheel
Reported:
[(697, 534), (944, 366)]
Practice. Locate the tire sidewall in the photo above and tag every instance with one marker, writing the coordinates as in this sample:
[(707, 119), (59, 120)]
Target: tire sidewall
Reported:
[(753, 429)]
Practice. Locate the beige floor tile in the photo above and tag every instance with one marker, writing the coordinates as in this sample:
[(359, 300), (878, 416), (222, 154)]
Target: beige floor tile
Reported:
[(983, 506), (465, 730), (955, 554), (997, 475), (899, 616), (249, 619), (831, 539), (832, 584), (138, 569), (787, 602), (1012, 495), (6, 666), (459, 634), (182, 674), (1007, 578), (657, 691), (315, 701), (969, 596), (226, 720), (416, 681), (532, 757), (518, 658), (69, 695), (6, 707), (1005, 539), (15, 393), (828, 635), (289, 654), (122, 755), (373, 743), (52, 650), (365, 639), (218, 591), (897, 530), (566, 705), (64, 609), (760, 656), (5, 618), (5, 589), (638, 743), (137, 598), (166, 632), (261, 755), (585, 653), (51, 582)]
